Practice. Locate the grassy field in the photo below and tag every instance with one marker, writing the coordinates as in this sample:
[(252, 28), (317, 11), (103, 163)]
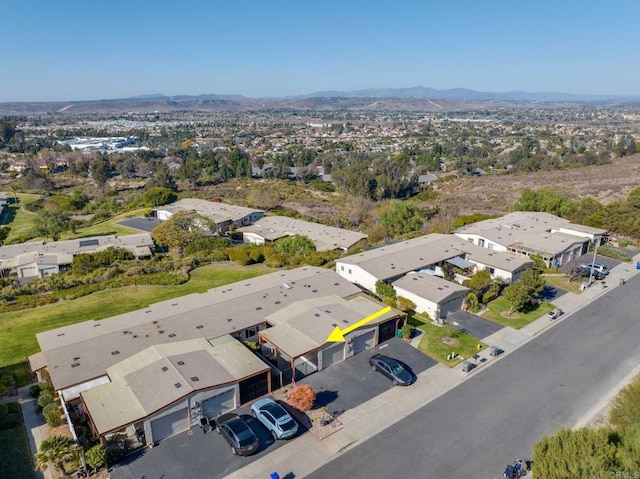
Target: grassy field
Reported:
[(19, 220), (439, 342), (15, 456), (18, 329), (109, 227), (517, 320), (564, 282)]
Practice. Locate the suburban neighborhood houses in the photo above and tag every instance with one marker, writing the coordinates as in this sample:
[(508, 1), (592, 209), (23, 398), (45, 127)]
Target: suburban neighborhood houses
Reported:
[(555, 239), (164, 369), (161, 369)]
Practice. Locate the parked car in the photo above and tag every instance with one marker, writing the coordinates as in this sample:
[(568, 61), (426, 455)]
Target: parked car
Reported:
[(599, 267), (238, 434), (275, 418), (555, 314), (585, 271), (391, 368)]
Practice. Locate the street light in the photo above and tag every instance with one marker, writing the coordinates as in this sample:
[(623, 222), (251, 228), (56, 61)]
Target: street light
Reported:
[(595, 252)]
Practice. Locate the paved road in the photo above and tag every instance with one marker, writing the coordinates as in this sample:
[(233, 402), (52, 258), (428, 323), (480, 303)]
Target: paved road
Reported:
[(474, 430)]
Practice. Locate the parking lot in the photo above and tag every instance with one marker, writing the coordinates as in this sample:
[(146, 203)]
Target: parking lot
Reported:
[(200, 454)]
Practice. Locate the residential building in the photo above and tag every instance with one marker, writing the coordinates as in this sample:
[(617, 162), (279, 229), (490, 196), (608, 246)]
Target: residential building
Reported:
[(225, 216), (165, 368), (269, 229), (525, 233)]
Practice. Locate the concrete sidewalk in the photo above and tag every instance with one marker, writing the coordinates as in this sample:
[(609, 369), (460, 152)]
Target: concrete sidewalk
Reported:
[(306, 454), (34, 424)]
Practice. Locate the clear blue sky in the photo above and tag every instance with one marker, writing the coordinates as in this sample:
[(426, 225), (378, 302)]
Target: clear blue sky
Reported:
[(84, 50)]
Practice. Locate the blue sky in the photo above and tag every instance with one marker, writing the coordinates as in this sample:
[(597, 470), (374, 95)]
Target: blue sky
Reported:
[(84, 50)]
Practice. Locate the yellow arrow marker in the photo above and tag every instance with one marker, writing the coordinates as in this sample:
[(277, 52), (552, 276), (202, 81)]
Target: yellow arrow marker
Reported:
[(337, 336)]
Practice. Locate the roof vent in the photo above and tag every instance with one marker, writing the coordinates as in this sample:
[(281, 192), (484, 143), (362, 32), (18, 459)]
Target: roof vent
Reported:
[(287, 285), (259, 308), (180, 363), (178, 385), (113, 353), (75, 365), (314, 290), (172, 335), (195, 379), (199, 326), (278, 302), (317, 315), (164, 368), (61, 334), (229, 320)]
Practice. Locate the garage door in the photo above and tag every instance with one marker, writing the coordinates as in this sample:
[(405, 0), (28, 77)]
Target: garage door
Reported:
[(169, 425), (332, 355), (219, 404), (363, 342), (451, 307)]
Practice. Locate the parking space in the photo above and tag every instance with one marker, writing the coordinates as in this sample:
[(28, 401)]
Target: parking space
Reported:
[(352, 382), (472, 324), (587, 259), (197, 453), (142, 224), (194, 453)]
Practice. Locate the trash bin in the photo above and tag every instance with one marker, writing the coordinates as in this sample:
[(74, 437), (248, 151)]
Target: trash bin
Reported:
[(638, 265), (494, 351), (466, 366), (399, 334), (621, 281)]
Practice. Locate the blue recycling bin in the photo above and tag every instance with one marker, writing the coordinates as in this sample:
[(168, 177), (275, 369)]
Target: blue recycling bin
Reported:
[(638, 265)]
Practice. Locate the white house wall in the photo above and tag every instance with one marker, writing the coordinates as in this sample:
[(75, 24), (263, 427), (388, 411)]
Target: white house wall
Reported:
[(481, 241), (423, 305), (355, 274), (252, 238)]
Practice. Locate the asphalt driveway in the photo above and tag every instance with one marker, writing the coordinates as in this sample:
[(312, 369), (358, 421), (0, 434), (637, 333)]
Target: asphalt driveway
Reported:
[(196, 453), (142, 224), (472, 324), (352, 382)]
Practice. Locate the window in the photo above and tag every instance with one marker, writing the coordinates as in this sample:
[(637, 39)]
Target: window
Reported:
[(349, 270), (341, 267)]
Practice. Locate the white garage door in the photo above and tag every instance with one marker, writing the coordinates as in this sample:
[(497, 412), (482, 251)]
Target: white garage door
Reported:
[(451, 307), (219, 404), (363, 342), (169, 425), (332, 355)]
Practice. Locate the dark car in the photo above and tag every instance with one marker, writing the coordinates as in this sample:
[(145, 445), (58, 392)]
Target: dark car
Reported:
[(238, 434), (391, 368), (585, 271)]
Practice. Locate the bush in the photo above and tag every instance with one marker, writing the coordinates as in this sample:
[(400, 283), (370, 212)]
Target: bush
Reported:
[(10, 421), (407, 331), (405, 304), (4, 410), (51, 414), (45, 398), (35, 390), (96, 457), (488, 297), (302, 397)]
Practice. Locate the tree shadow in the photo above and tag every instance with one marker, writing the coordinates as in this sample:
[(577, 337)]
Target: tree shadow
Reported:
[(324, 398)]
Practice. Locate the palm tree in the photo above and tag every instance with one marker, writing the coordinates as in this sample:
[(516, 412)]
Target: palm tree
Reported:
[(56, 449)]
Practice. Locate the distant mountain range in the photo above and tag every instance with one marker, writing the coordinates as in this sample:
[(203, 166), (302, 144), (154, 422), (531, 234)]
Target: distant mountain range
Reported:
[(384, 99)]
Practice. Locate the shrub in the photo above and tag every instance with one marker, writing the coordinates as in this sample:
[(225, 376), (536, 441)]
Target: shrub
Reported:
[(51, 414), (10, 421), (488, 296), (96, 457), (405, 304), (45, 398), (302, 397), (35, 390), (407, 331), (46, 386), (4, 410)]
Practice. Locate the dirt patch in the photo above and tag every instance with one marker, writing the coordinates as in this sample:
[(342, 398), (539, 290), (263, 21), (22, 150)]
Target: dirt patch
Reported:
[(496, 193), (449, 341), (508, 315)]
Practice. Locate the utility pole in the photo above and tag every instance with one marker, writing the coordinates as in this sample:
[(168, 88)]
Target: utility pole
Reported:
[(595, 252)]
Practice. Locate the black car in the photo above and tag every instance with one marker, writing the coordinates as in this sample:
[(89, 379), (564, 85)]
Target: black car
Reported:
[(586, 271), (238, 434), (391, 368)]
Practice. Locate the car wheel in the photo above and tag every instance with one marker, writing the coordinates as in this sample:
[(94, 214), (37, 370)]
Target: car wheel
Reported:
[(274, 434), (218, 430), (373, 366), (395, 382), (253, 413), (233, 451)]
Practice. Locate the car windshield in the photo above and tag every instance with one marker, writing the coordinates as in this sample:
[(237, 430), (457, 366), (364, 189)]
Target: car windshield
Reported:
[(245, 436), (276, 410)]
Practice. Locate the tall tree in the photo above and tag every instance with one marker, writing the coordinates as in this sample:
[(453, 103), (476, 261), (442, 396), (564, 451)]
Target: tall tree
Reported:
[(401, 218), (51, 224), (101, 170), (295, 245), (181, 229)]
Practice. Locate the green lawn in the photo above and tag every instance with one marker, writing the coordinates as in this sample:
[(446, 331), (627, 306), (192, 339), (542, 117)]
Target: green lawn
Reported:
[(19, 220), (15, 456), (18, 328), (110, 227), (519, 319), (564, 282), (433, 342)]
